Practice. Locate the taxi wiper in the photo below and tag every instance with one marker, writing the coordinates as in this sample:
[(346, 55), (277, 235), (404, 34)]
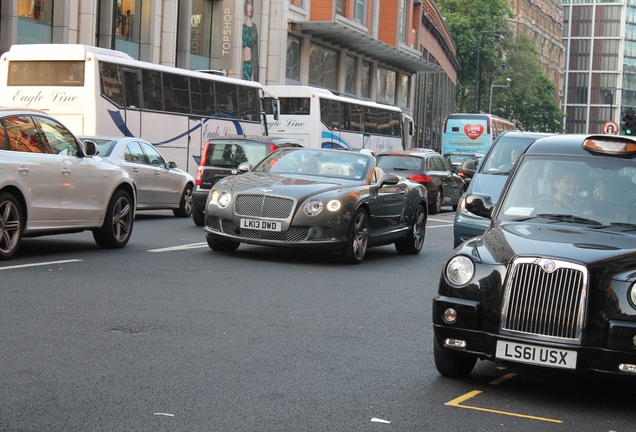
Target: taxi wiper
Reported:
[(568, 218)]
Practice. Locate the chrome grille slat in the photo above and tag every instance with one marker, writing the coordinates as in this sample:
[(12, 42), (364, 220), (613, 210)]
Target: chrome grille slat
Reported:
[(545, 304), (265, 206)]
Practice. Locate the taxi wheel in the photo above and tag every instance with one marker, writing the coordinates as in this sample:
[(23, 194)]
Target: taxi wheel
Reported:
[(450, 364), (356, 247), (185, 205), (10, 226), (222, 245), (412, 244), (118, 222)]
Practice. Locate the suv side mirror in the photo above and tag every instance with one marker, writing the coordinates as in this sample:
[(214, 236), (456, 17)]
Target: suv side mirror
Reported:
[(479, 204), (172, 165)]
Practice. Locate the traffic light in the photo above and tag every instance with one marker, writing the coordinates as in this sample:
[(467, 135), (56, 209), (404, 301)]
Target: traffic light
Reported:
[(628, 121)]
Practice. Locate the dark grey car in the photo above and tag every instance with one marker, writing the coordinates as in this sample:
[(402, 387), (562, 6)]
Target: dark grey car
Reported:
[(222, 156), (330, 200)]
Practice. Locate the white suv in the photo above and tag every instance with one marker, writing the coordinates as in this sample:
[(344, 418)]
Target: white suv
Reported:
[(51, 183)]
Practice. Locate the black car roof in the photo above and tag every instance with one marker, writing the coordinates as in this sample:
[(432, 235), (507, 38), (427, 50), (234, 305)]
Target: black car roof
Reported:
[(569, 144)]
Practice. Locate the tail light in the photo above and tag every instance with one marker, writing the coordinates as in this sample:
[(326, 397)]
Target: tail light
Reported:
[(420, 178), (272, 147), (202, 162)]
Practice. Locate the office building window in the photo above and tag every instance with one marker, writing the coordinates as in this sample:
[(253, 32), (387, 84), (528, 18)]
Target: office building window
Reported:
[(292, 69), (128, 26), (350, 76), (201, 34), (35, 21), (365, 86), (323, 67), (385, 86)]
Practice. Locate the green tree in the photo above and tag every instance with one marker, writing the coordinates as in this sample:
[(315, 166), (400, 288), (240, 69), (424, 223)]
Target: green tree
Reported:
[(472, 24), (531, 100)]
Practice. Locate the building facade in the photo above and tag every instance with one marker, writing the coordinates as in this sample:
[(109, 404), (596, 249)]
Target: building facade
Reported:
[(600, 82), (391, 51), (542, 21)]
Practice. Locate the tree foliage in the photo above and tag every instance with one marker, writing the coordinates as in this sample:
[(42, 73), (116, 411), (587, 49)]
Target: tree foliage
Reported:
[(530, 100)]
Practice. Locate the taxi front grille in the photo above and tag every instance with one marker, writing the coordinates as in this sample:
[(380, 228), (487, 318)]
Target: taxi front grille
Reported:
[(294, 234), (545, 299), (264, 206)]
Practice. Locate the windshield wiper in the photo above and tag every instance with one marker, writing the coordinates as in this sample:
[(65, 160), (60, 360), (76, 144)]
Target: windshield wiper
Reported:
[(628, 226), (568, 218)]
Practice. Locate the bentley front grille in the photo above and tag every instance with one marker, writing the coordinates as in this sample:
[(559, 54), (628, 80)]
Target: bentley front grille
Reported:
[(545, 298), (264, 206), (294, 234)]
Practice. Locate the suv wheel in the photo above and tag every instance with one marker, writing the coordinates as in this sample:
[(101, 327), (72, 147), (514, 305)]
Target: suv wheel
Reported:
[(118, 222), (10, 226)]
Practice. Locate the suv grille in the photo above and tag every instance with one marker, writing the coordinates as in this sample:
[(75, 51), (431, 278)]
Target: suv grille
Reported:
[(265, 206), (545, 298)]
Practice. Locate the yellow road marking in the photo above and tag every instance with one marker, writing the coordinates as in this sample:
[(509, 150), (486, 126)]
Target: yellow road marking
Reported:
[(502, 379), (456, 403)]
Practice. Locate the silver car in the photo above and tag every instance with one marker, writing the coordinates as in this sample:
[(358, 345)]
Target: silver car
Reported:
[(159, 184), (52, 183)]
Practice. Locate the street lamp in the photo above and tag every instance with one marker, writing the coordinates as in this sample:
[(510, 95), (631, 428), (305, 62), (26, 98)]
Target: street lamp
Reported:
[(497, 38), (491, 87)]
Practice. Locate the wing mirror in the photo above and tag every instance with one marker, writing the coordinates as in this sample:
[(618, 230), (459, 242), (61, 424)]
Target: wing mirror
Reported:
[(90, 148), (172, 165), (479, 204), (245, 167), (468, 168)]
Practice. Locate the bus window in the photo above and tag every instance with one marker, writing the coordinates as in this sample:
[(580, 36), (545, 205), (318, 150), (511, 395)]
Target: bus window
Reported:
[(111, 84), (151, 81), (202, 96), (131, 89), (176, 93), (249, 104), (227, 99)]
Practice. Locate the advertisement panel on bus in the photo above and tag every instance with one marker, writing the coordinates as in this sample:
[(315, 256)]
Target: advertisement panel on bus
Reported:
[(472, 133)]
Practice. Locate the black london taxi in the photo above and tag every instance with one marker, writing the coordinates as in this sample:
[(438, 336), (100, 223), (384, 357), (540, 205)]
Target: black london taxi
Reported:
[(552, 281)]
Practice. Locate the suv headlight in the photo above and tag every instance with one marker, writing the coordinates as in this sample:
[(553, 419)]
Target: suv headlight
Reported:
[(460, 270), (632, 294), (461, 208), (220, 199)]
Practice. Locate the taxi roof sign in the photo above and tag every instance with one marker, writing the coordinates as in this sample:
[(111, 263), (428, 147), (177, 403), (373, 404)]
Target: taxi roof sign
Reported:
[(608, 145)]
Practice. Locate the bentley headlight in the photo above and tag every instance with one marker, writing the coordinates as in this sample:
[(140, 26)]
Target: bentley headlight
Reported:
[(333, 205), (221, 199), (312, 208), (632, 294), (460, 270)]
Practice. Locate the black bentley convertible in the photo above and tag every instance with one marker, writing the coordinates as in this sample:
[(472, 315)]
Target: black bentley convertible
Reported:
[(331, 200)]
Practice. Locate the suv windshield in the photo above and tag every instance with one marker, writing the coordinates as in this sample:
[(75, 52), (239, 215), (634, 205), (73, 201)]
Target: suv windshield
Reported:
[(505, 153), (589, 190)]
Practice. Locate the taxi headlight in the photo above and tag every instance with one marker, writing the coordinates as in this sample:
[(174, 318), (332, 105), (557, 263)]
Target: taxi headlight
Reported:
[(460, 270), (312, 208), (221, 199), (632, 294), (461, 208)]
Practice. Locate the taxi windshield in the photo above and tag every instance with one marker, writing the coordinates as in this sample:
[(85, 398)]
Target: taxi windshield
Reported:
[(590, 190)]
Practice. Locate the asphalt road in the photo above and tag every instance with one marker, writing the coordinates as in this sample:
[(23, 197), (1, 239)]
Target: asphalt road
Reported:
[(166, 335)]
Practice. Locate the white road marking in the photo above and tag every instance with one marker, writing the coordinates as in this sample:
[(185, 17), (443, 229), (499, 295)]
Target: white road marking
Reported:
[(183, 247), (39, 264)]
